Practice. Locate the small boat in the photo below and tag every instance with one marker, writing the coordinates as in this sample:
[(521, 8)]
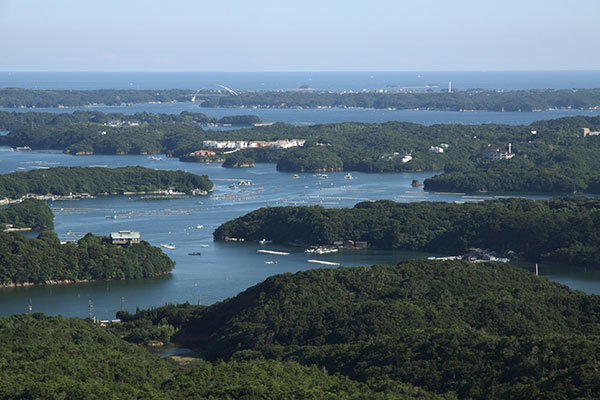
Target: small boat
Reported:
[(154, 158), (233, 187), (199, 226), (270, 262), (203, 245), (195, 254), (265, 241), (324, 176), (348, 177), (169, 246), (296, 176)]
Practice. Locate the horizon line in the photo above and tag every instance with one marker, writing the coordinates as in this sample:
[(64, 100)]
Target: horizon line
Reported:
[(305, 71)]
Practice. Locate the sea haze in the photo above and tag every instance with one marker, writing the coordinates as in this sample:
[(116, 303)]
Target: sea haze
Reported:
[(505, 80)]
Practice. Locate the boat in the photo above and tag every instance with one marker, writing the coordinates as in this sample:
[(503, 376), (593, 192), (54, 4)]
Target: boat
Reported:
[(280, 253), (199, 226), (233, 187), (265, 241), (169, 246), (323, 262), (321, 250), (348, 176), (296, 176), (245, 183), (270, 262), (203, 245), (324, 176), (154, 158), (195, 254)]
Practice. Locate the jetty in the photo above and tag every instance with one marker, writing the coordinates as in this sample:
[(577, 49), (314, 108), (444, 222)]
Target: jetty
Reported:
[(279, 253)]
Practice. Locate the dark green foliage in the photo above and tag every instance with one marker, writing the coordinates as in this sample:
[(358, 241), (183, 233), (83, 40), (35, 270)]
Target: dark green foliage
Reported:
[(237, 160), (310, 159), (16, 97), (480, 330), (29, 213), (482, 100), (92, 258), (561, 230), (240, 120), (97, 180), (58, 358), (514, 178)]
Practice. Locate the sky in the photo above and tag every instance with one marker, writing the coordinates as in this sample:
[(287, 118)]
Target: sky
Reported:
[(307, 35)]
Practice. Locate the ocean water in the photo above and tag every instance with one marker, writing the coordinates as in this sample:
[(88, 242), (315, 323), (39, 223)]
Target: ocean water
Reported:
[(507, 80)]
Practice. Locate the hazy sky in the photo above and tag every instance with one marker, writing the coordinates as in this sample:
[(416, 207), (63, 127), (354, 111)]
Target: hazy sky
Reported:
[(305, 35)]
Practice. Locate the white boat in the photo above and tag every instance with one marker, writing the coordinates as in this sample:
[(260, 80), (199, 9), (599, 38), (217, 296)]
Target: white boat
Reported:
[(203, 245), (270, 262), (296, 176), (348, 176), (199, 226), (154, 158), (323, 262), (169, 246), (324, 176), (280, 253)]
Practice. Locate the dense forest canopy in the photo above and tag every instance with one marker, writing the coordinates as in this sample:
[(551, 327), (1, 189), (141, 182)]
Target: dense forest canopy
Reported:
[(68, 358), (43, 259), (475, 330), (563, 230), (98, 180), (29, 213)]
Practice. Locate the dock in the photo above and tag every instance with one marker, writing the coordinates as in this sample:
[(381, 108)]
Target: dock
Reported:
[(323, 262), (280, 253)]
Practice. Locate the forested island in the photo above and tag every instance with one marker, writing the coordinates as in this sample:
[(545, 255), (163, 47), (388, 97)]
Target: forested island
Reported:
[(45, 260), (62, 181), (456, 100), (29, 213), (564, 230), (421, 329), (545, 156)]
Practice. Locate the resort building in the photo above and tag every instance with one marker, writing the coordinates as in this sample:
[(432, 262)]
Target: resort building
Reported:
[(124, 238)]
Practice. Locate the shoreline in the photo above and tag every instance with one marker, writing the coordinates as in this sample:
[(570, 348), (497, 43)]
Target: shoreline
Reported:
[(70, 281)]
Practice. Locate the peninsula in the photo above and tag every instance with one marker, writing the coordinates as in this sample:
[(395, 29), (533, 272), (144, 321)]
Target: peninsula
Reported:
[(88, 181), (44, 260), (562, 230)]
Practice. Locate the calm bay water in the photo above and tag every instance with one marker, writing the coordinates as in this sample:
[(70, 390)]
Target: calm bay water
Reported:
[(332, 115), (223, 269)]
